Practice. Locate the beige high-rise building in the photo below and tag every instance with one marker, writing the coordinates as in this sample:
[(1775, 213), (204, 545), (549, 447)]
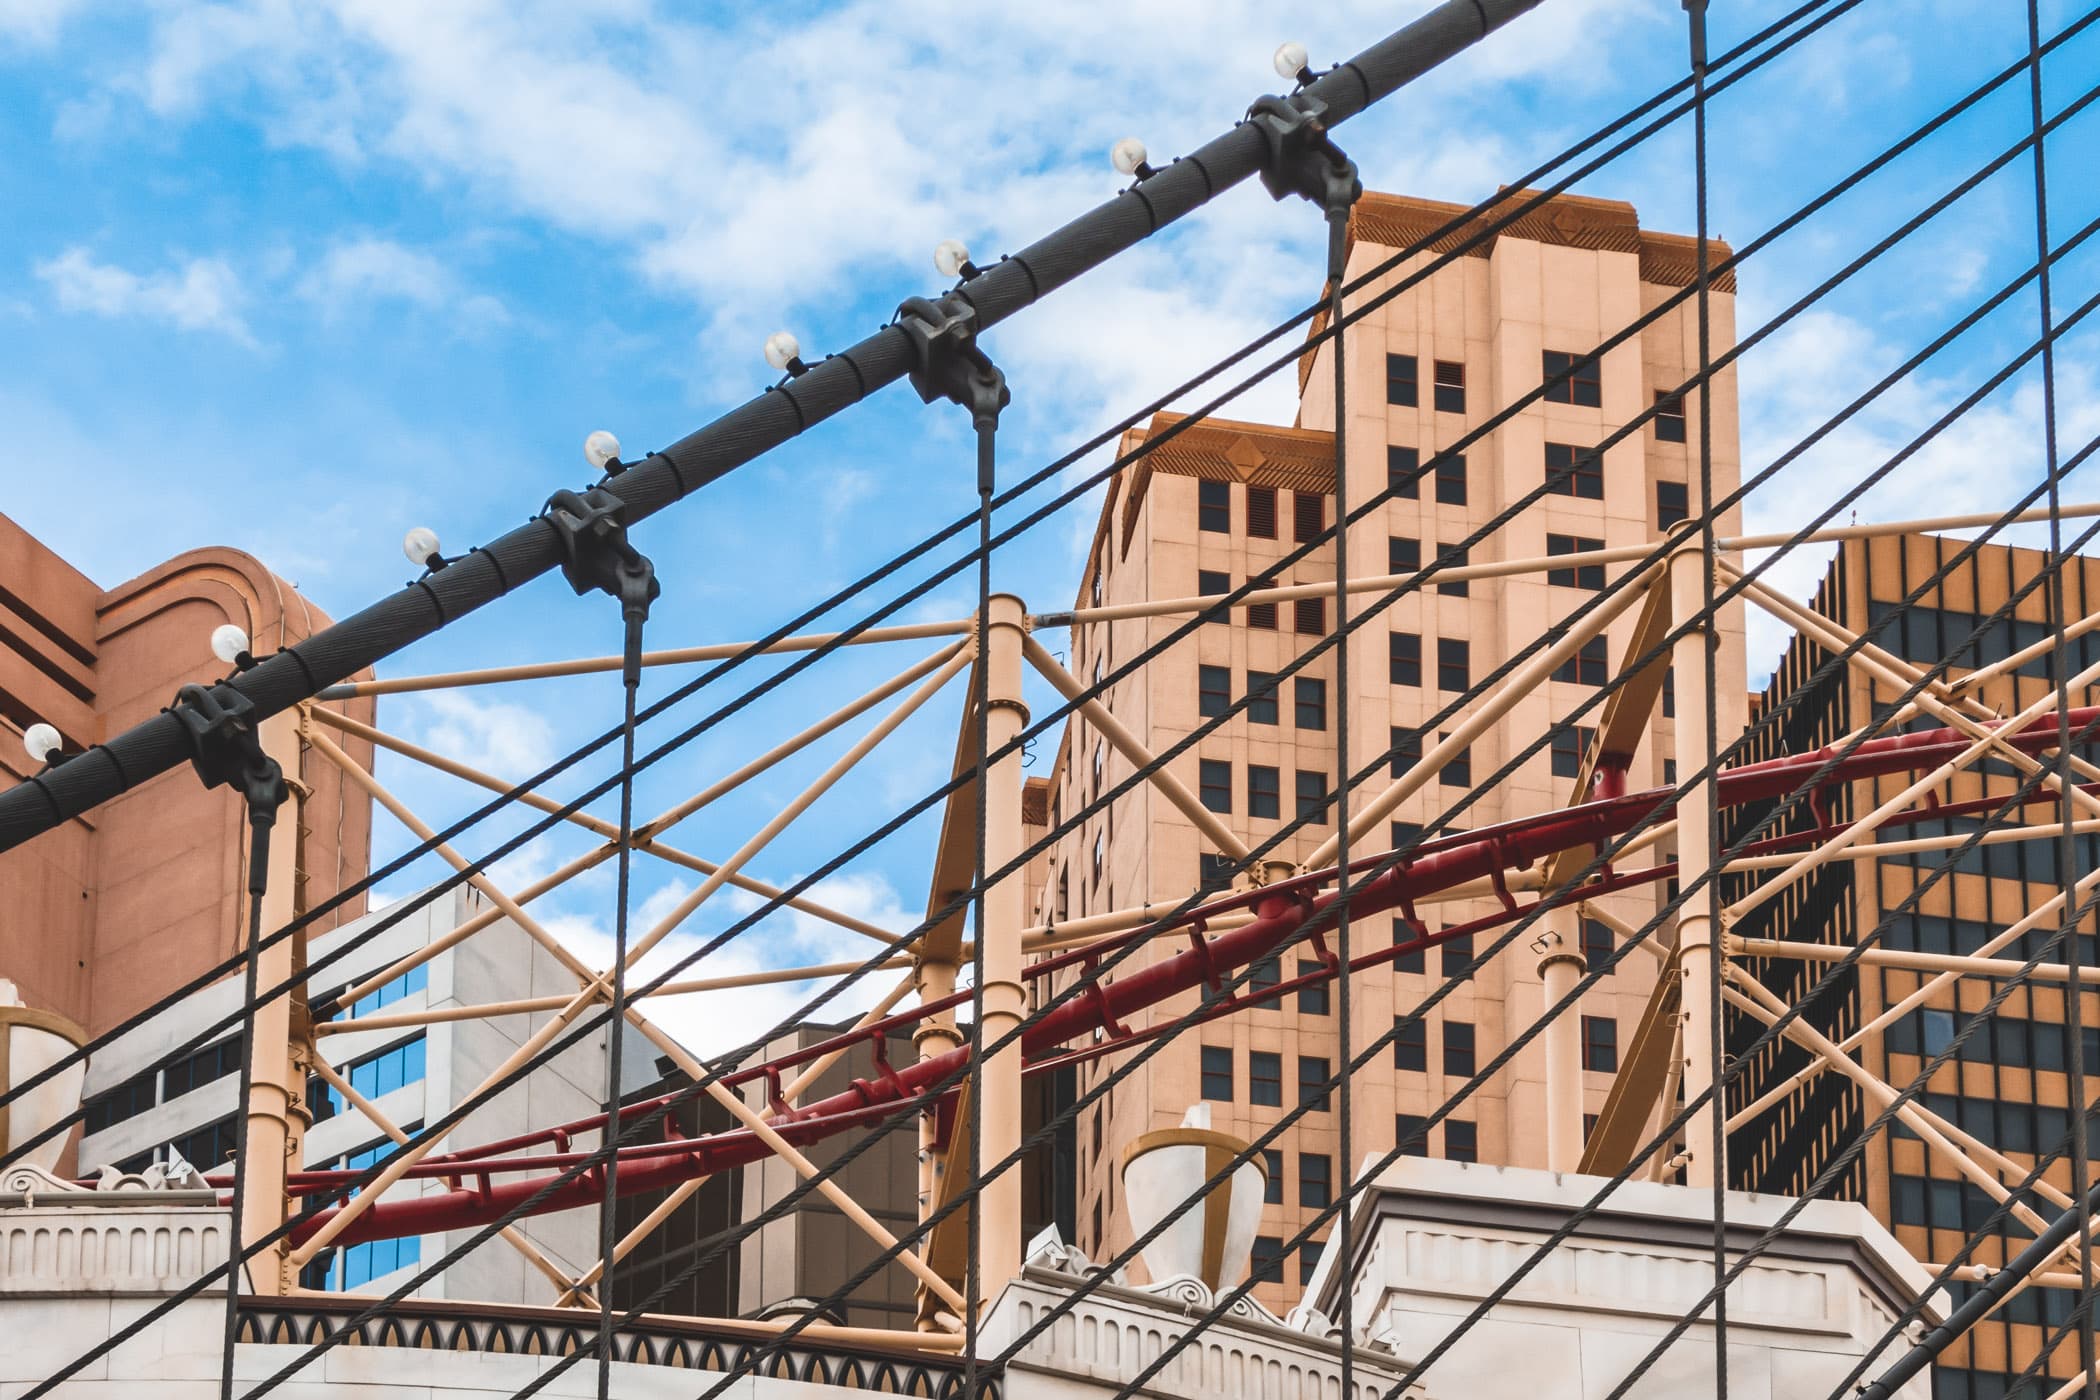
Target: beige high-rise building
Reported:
[(1225, 502)]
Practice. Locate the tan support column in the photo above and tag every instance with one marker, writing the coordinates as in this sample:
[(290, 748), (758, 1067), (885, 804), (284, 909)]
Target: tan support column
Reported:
[(1005, 916), (1695, 917), (277, 1097), (1560, 968)]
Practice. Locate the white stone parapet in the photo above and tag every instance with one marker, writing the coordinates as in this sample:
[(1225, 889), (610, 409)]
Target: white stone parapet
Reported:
[(129, 1237)]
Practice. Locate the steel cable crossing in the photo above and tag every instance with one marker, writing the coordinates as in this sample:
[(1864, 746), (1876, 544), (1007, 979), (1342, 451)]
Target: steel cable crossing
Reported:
[(1156, 441), (1831, 9), (1914, 446)]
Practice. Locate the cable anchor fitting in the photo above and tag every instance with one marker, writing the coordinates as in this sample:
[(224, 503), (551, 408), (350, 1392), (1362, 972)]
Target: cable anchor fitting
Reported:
[(598, 558), (226, 751), (1303, 160), (953, 366)]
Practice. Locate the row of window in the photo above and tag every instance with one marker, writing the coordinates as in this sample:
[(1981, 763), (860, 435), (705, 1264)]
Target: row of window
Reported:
[(384, 1071), (2028, 1128), (204, 1148), (1266, 1262), (1568, 377), (414, 980), (2002, 1040), (1459, 1046), (1264, 794), (1308, 696), (163, 1082), (1214, 511), (1264, 1078), (1308, 615), (1931, 933), (2033, 861)]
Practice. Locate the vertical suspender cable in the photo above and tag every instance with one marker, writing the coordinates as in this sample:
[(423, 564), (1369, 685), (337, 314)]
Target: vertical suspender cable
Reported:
[(973, 1280), (2059, 671), (1338, 1242), (257, 875), (1711, 738), (616, 1024)]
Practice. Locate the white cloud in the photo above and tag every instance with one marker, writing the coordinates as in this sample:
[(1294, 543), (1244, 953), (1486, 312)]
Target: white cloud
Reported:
[(201, 294), (34, 23), (367, 269), (496, 736)]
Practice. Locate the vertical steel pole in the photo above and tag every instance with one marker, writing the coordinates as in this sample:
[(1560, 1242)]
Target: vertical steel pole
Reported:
[(1005, 1001), (1560, 969), (1695, 917)]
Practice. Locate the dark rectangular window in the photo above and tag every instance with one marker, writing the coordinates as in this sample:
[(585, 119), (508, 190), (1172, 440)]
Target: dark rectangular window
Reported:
[(1312, 1082), (1402, 556), (1403, 655), (1261, 697), (1309, 616), (1214, 777), (1574, 471), (1262, 791), (1590, 576), (1312, 796), (1213, 690), (1217, 1073), (1272, 1185), (1570, 742), (1265, 1078), (1575, 379), (1215, 872), (1407, 750), (1309, 1260), (1411, 1134), (1308, 515), (1458, 1049), (1600, 1044), (1261, 512), (1405, 933), (1262, 615), (1457, 956), (1450, 387), (1454, 558), (1403, 473), (1262, 976), (1315, 1180), (1589, 666), (1211, 584), (1597, 944), (1402, 381), (1266, 1262), (1310, 709), (1461, 1140), (1454, 664), (1214, 507), (1410, 1044), (1312, 998), (1451, 480), (1458, 769), (1671, 504), (1669, 701), (1669, 418)]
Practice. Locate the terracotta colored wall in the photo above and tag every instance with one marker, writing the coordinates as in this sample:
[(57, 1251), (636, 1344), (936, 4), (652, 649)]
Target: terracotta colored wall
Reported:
[(101, 918)]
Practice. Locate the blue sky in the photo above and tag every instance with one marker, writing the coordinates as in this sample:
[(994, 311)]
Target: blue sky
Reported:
[(295, 277)]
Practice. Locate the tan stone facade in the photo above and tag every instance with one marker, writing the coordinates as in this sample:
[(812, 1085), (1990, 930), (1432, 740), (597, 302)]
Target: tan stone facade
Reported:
[(1227, 501), (106, 914)]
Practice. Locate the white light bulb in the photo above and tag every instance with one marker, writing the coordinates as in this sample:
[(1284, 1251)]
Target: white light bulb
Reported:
[(949, 257), (782, 349), (420, 544), (42, 741), (1290, 59), (1127, 155), (601, 448), (229, 643)]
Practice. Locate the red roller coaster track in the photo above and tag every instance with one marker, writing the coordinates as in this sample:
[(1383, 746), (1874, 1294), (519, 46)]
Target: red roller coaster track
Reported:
[(1283, 912)]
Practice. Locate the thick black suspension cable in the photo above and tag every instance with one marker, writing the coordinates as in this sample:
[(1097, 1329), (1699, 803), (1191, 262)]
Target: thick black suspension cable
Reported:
[(616, 1022), (244, 1090)]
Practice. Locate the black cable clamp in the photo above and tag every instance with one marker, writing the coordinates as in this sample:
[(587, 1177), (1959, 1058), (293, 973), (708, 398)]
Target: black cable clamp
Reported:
[(953, 366), (226, 751), (1303, 160), (596, 557)]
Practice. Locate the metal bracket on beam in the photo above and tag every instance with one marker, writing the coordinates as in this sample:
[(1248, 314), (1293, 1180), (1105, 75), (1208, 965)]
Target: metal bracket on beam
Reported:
[(596, 556), (1303, 160), (953, 366), (226, 751)]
